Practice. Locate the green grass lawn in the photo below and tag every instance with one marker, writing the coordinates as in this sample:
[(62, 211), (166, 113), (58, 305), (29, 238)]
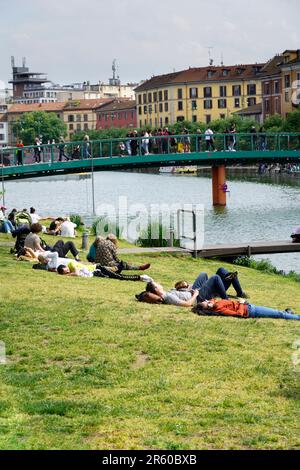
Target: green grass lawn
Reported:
[(90, 368)]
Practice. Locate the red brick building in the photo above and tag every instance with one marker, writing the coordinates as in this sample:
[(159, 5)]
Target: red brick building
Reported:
[(117, 113)]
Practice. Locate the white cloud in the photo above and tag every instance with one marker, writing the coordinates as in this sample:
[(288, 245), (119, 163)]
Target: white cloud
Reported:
[(73, 40)]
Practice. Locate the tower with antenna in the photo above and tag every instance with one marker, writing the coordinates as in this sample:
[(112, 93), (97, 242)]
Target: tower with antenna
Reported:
[(115, 80), (210, 59)]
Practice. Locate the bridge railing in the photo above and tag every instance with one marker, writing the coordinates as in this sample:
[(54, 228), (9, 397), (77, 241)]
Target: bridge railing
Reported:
[(142, 146)]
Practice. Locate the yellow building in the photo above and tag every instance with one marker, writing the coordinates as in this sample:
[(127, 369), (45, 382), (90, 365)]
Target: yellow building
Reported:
[(290, 74), (197, 94)]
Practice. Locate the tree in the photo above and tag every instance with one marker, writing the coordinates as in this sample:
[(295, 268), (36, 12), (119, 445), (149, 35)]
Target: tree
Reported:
[(39, 124)]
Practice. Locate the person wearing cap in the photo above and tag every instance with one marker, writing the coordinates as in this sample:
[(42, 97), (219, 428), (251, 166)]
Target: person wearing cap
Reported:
[(5, 225), (106, 255), (296, 235)]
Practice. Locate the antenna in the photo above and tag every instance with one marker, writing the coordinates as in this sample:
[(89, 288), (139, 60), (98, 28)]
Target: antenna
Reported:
[(210, 59), (222, 59), (114, 69), (24, 62), (12, 61)]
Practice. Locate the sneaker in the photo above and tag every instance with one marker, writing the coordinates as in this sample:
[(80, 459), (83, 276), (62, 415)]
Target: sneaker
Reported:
[(146, 278), (289, 310), (144, 267), (243, 295)]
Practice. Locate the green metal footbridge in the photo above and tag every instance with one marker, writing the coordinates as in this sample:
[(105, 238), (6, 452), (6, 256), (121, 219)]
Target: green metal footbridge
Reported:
[(158, 151)]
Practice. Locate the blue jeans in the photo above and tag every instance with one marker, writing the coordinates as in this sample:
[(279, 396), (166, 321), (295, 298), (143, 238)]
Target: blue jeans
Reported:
[(6, 227), (209, 288), (222, 272), (265, 312)]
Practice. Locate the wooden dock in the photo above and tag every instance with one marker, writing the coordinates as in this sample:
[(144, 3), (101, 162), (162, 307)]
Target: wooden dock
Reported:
[(226, 251)]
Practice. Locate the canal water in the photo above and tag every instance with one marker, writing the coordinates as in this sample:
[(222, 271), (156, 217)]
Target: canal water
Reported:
[(259, 207)]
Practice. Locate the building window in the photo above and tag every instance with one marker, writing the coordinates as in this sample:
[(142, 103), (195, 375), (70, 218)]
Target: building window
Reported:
[(155, 108), (78, 127), (193, 93), (140, 99), (251, 101), (144, 98), (298, 76), (166, 120), (180, 118), (208, 104), (180, 105), (207, 92), (119, 116), (160, 107), (223, 91), (166, 95), (208, 118), (277, 110), (276, 88), (287, 81), (236, 90), (70, 118), (194, 118), (194, 105), (149, 97), (225, 72), (222, 104), (71, 127), (251, 90), (86, 126), (179, 94), (237, 103), (267, 89), (287, 97), (78, 117), (85, 117), (145, 109), (166, 107), (222, 116), (140, 110), (160, 96), (100, 117), (155, 96)]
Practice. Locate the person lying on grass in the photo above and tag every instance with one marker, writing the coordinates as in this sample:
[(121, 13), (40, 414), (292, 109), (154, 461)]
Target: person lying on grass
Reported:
[(80, 270), (184, 295), (241, 309), (105, 252)]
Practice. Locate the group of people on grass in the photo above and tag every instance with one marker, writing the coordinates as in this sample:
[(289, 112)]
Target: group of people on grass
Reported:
[(202, 296)]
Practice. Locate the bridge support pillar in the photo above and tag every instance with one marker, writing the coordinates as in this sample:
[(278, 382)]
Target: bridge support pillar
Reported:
[(219, 185)]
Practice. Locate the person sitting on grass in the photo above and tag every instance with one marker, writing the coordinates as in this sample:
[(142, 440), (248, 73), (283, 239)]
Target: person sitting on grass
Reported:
[(204, 288), (54, 227), (33, 241), (106, 255), (241, 309), (80, 270)]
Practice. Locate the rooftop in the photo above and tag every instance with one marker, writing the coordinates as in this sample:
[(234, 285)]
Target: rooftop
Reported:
[(203, 74)]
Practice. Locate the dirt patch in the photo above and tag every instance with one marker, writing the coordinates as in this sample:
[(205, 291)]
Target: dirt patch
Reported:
[(140, 361)]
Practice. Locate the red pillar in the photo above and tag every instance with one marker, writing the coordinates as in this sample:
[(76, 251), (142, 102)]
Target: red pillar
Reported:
[(218, 185)]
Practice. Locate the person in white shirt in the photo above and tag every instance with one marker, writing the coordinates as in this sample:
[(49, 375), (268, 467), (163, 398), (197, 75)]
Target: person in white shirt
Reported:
[(35, 218), (209, 139), (67, 229)]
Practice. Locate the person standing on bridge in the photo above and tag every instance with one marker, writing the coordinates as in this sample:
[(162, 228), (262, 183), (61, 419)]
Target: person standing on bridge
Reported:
[(86, 146), (61, 148), (20, 147), (209, 140), (37, 150)]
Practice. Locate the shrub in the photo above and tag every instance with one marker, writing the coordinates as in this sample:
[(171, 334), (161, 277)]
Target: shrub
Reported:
[(155, 235)]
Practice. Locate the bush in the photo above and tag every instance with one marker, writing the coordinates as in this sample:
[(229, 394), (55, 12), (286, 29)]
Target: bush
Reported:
[(155, 235), (265, 266), (103, 226), (77, 219)]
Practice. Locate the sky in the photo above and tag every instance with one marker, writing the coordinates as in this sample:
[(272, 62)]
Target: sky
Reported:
[(74, 41)]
